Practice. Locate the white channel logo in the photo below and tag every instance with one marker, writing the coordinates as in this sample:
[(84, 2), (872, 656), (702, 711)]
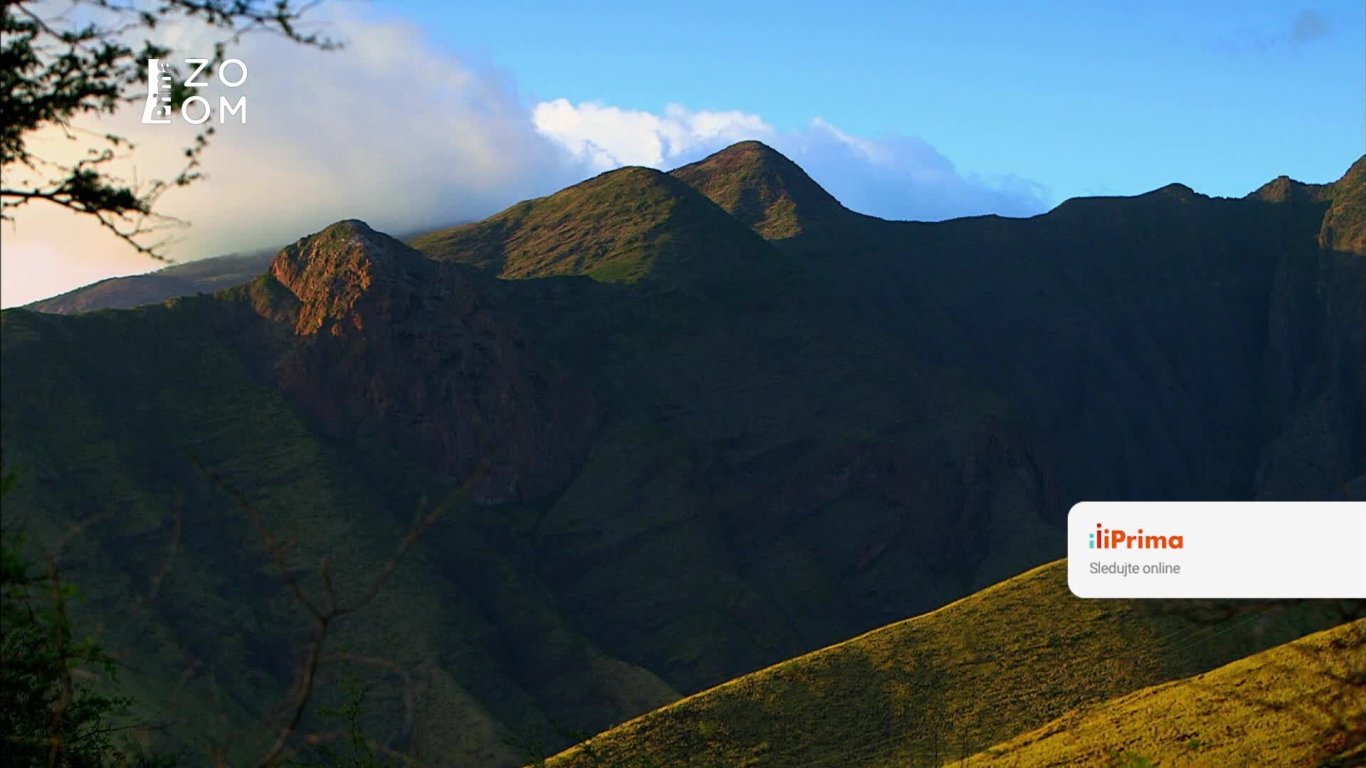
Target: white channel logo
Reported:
[(196, 109)]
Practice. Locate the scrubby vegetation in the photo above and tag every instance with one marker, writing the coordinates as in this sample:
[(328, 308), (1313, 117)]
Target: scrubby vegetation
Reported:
[(1296, 704), (59, 700)]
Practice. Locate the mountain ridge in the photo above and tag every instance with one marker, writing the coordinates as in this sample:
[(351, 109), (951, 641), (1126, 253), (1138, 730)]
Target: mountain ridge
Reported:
[(698, 452), (185, 279), (628, 225), (217, 273)]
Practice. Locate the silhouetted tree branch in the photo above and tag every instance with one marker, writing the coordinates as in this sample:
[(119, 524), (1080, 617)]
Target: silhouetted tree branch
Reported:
[(88, 60), (47, 716), (332, 608)]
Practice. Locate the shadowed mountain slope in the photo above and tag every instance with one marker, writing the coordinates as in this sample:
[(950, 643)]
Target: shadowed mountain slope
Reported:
[(220, 418), (692, 452), (1219, 333), (658, 507)]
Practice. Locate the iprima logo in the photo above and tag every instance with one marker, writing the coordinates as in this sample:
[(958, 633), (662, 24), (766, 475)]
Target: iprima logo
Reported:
[(195, 109), (1105, 538)]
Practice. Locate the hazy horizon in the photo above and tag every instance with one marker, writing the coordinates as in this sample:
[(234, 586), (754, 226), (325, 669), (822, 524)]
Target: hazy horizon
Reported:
[(928, 113)]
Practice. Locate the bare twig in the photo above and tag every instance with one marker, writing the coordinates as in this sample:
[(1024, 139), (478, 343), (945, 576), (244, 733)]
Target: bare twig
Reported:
[(160, 575), (59, 643), (334, 609), (409, 694)]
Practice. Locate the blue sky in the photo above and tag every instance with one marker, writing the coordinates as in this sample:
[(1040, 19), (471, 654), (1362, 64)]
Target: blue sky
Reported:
[(436, 113), (1082, 97)]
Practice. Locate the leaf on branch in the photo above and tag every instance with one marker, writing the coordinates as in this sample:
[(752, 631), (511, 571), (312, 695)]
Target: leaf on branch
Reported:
[(53, 70)]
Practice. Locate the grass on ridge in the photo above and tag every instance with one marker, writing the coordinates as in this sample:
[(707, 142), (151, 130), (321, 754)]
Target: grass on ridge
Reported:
[(947, 684), (1296, 704)]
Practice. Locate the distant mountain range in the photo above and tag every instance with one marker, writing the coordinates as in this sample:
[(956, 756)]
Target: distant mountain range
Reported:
[(709, 420), (187, 279)]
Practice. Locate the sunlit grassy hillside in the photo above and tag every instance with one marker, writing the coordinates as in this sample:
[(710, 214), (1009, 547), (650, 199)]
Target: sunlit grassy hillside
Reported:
[(1297, 704), (947, 684)]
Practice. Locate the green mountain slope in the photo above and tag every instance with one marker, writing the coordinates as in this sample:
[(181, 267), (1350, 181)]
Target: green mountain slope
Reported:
[(369, 377), (1295, 704), (932, 689), (622, 226), (693, 452), (157, 439), (1345, 224), (766, 192)]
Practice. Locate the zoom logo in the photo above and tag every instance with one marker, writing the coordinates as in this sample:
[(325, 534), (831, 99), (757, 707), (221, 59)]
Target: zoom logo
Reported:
[(195, 109)]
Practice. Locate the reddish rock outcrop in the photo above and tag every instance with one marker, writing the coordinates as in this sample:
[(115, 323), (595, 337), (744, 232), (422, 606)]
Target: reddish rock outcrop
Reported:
[(430, 364)]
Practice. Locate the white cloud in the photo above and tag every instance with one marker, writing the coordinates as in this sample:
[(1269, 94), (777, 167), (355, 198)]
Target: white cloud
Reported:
[(904, 177), (891, 176), (610, 137), (404, 136), (387, 129)]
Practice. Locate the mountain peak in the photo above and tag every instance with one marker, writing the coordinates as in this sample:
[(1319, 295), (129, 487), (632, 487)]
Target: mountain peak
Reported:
[(1284, 189), (1174, 191), (763, 189), (1355, 175), (1344, 225), (622, 226), (329, 271)]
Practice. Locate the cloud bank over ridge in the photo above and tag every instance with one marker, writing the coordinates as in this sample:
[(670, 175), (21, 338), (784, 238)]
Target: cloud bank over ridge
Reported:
[(392, 130), (892, 176)]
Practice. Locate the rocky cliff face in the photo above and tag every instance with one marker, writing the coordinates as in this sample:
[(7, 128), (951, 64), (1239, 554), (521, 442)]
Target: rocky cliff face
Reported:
[(390, 343), (1344, 224), (1315, 380)]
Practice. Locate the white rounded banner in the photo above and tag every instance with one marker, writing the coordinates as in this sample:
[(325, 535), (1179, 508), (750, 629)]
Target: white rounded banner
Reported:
[(1217, 549)]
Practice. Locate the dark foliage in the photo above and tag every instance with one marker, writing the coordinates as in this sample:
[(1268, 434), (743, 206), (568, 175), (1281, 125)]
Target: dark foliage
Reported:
[(88, 60)]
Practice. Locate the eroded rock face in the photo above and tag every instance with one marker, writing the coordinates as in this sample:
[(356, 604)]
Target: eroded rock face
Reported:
[(949, 517), (388, 343), (1342, 228), (1314, 378)]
